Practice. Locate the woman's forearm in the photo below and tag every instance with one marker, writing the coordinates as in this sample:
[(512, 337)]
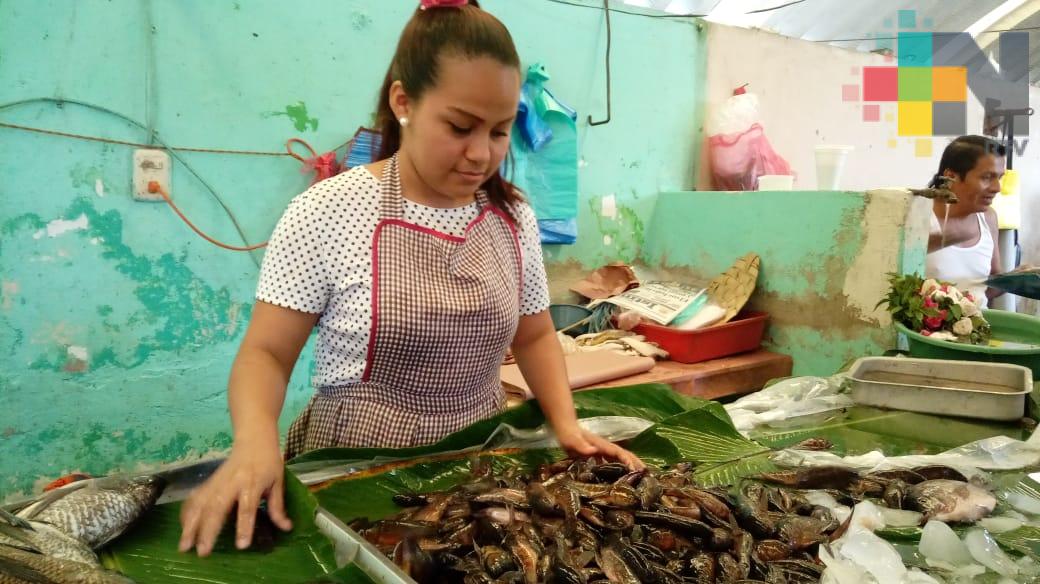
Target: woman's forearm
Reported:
[(540, 359), (256, 392)]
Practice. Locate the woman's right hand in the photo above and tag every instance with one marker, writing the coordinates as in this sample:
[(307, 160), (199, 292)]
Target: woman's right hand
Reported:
[(252, 472)]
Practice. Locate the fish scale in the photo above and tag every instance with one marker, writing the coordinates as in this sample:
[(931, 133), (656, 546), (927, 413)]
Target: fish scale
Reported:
[(18, 567), (52, 542), (97, 514)]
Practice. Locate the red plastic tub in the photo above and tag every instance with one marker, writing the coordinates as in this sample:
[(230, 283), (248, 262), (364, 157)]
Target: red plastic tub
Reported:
[(740, 335)]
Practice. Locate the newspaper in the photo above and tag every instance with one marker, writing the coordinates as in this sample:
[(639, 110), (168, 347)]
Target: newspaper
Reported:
[(660, 302)]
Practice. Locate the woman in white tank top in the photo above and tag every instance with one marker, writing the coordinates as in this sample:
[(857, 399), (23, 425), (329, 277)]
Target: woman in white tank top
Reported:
[(962, 244)]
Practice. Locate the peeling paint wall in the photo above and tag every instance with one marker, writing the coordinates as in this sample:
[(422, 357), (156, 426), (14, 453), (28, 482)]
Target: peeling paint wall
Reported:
[(117, 324), (825, 256)]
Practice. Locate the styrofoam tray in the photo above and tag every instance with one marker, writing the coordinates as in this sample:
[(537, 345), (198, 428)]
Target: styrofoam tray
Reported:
[(971, 389)]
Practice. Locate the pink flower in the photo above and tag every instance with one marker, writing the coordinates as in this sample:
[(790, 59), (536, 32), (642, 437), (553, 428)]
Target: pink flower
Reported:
[(969, 296), (427, 4), (935, 322), (926, 333), (945, 289), (929, 302)]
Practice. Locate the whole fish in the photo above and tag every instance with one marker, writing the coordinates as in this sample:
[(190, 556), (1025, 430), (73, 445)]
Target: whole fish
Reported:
[(42, 538), (21, 567), (98, 511), (947, 500)]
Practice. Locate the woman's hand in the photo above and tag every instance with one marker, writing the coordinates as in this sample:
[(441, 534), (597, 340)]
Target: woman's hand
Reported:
[(252, 472), (580, 442)]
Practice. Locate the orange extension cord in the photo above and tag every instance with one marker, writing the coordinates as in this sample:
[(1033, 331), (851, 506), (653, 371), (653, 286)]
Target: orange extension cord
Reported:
[(155, 187)]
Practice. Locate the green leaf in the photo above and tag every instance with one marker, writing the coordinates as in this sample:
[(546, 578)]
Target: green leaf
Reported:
[(652, 402), (148, 553), (1024, 540)]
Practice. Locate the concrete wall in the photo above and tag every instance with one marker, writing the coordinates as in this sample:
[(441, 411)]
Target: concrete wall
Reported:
[(117, 324), (799, 84), (824, 259)]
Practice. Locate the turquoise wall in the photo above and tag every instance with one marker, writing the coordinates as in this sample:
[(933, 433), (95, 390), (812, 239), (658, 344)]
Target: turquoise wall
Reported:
[(824, 259), (117, 324)]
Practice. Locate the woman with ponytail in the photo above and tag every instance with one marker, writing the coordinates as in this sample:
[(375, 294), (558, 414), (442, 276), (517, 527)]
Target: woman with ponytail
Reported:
[(420, 271)]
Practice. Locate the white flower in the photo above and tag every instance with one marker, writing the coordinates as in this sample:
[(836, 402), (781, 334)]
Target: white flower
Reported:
[(943, 336), (969, 308), (929, 285), (963, 327), (939, 295), (954, 293)]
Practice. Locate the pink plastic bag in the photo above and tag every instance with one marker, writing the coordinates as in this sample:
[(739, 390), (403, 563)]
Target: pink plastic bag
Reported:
[(739, 158)]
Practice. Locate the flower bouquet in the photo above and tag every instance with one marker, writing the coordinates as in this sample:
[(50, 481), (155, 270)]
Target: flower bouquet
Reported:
[(936, 309)]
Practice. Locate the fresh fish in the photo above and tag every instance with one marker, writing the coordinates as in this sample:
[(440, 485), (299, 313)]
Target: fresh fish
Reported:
[(414, 561), (817, 477), (98, 511), (948, 500), (45, 539), (21, 567)]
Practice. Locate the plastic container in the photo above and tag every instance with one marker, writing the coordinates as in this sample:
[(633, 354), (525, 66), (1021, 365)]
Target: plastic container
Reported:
[(1009, 327), (565, 315), (775, 182), (740, 335), (990, 391), (830, 164)]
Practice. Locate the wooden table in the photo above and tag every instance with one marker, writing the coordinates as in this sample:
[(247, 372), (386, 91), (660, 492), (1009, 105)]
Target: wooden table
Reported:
[(729, 376)]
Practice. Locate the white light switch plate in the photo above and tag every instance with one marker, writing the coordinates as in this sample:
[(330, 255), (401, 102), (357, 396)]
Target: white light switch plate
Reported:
[(151, 165)]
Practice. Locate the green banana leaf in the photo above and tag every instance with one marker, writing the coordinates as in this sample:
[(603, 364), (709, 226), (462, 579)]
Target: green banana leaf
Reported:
[(652, 402), (148, 553)]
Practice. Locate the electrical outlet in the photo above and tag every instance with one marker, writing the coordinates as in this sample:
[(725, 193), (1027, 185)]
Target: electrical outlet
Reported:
[(150, 165)]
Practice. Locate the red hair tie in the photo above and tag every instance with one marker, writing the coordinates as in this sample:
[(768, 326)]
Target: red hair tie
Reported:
[(426, 4)]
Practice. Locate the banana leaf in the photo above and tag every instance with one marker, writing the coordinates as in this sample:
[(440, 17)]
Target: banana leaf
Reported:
[(703, 435), (148, 553), (652, 402)]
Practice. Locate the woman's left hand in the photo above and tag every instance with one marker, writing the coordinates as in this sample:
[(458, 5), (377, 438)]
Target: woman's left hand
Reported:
[(580, 442)]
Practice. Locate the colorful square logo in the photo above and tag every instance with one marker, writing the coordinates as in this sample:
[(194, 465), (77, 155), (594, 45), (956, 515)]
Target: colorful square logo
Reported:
[(928, 76)]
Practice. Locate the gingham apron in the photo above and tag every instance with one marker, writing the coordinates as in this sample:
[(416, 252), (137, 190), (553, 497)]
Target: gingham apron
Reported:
[(444, 311)]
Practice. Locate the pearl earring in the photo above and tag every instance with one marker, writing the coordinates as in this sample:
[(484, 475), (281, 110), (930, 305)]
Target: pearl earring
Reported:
[(403, 121)]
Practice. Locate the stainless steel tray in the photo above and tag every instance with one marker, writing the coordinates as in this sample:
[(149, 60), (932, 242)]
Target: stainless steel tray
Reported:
[(970, 389), (351, 547)]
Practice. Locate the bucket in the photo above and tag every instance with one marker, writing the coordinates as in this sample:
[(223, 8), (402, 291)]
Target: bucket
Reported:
[(775, 182), (1011, 327), (830, 163), (566, 315)]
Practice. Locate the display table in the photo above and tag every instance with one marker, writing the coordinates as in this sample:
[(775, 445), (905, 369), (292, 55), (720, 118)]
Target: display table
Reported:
[(729, 376)]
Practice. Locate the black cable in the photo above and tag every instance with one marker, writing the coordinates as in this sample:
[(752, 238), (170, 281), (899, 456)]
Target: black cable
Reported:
[(59, 102), (893, 38), (606, 13), (691, 15)]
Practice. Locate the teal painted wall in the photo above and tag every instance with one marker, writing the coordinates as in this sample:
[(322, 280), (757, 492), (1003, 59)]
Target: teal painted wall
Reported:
[(117, 329), (824, 257)]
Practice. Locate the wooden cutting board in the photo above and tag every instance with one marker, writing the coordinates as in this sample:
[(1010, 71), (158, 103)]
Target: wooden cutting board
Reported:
[(583, 370)]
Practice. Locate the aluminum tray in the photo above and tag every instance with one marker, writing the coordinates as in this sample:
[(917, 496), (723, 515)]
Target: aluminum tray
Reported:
[(351, 547), (970, 389)]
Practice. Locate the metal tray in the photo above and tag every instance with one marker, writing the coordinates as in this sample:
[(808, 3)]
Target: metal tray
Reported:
[(351, 547), (970, 389)]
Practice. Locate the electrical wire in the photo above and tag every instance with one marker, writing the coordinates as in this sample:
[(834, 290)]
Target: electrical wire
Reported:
[(155, 187), (894, 38), (690, 15), (60, 102)]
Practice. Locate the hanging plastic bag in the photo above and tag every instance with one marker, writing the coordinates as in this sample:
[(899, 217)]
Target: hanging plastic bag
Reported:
[(737, 145), (544, 164)]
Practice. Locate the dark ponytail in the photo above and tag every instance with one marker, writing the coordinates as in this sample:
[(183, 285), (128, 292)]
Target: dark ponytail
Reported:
[(961, 155), (465, 31)]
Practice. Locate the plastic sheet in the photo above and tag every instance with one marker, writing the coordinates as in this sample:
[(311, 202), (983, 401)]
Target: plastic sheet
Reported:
[(790, 398)]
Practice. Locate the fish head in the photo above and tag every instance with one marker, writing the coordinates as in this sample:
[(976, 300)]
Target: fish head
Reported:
[(143, 490)]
